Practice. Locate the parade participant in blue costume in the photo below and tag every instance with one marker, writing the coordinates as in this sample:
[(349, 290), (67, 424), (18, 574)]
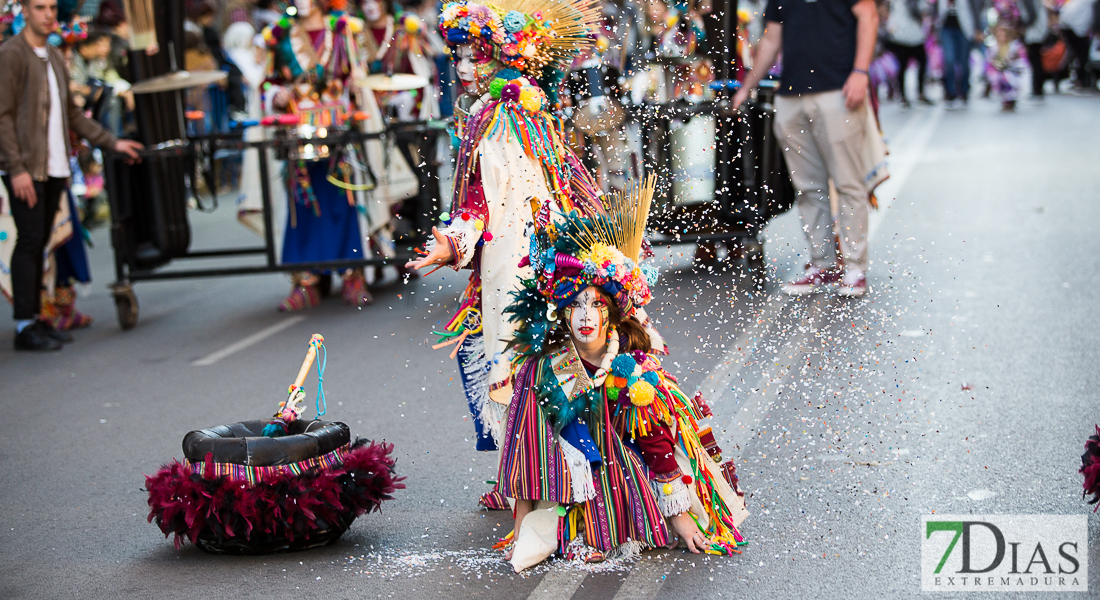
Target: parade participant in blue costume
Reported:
[(314, 64)]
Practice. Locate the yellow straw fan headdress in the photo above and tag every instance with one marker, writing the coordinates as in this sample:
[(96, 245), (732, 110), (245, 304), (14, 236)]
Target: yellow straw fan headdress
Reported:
[(527, 35)]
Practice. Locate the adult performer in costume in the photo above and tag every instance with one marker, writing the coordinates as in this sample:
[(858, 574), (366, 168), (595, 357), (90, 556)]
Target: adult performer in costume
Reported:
[(314, 63), (511, 156), (603, 452)]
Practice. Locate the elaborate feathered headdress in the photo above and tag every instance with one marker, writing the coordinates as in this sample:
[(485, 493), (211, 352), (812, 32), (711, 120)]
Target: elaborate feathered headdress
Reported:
[(528, 35), (566, 257)]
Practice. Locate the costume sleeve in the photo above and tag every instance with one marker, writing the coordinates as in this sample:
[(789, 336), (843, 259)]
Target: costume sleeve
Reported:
[(11, 79), (657, 451), (673, 494), (468, 218)]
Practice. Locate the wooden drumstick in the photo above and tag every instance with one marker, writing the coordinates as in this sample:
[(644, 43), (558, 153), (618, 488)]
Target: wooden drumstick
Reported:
[(311, 355)]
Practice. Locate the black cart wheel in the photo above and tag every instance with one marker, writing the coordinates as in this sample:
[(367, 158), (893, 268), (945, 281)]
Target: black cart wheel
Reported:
[(126, 304), (754, 259)]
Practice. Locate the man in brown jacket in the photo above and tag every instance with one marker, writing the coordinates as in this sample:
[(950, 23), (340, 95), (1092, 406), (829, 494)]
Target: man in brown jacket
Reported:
[(36, 114)]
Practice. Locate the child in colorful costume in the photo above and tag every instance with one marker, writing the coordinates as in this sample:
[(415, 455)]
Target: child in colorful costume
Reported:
[(510, 157), (314, 63), (1006, 57), (595, 417)]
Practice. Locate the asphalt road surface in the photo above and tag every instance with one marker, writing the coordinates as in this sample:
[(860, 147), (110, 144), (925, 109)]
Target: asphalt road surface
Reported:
[(964, 383)]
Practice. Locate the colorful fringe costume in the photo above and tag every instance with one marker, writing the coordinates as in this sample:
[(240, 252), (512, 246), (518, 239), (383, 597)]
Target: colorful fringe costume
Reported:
[(313, 67), (511, 155), (614, 448)]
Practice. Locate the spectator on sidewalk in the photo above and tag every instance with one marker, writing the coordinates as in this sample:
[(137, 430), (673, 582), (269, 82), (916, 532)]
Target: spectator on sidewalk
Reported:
[(1079, 22), (36, 113), (821, 118), (959, 25), (905, 40), (1033, 20)]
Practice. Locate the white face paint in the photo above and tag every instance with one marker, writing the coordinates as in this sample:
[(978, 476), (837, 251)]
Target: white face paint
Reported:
[(372, 10), (304, 8), (588, 316), (465, 67)]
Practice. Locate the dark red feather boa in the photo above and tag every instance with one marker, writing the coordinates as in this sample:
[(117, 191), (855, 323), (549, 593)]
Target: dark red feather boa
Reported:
[(1090, 467), (284, 506)]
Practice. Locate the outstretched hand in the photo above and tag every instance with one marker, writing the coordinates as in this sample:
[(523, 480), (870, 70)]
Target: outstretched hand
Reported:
[(440, 255), (129, 148)]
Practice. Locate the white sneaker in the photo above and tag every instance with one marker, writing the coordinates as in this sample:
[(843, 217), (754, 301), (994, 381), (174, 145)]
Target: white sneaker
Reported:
[(854, 284)]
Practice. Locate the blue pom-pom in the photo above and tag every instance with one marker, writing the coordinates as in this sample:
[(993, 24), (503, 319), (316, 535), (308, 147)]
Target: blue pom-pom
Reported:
[(622, 366), (651, 378), (515, 21), (509, 74)]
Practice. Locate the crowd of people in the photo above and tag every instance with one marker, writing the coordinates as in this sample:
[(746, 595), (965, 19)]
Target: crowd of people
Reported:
[(1005, 39), (601, 453), (648, 52)]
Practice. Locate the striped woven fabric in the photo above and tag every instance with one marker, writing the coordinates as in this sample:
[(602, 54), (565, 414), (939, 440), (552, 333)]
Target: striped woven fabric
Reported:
[(532, 467), (254, 475)]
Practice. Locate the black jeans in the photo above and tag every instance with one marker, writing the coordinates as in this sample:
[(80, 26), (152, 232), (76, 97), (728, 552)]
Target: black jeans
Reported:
[(1038, 75), (1079, 46), (32, 226), (904, 54)]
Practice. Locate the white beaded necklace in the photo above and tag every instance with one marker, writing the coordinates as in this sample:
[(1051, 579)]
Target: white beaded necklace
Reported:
[(605, 365)]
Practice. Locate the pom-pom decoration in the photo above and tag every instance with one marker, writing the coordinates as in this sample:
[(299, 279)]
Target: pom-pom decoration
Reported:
[(515, 21), (496, 86), (622, 366), (509, 92), (641, 393), (530, 99)]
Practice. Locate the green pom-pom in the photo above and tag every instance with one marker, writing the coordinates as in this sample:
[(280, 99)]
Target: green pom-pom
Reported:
[(495, 87), (561, 511), (613, 394)]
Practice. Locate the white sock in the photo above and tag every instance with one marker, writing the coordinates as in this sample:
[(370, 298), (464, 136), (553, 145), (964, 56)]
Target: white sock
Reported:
[(21, 325)]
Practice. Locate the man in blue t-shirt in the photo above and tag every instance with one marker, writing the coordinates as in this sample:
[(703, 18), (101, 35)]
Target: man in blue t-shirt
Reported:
[(821, 121)]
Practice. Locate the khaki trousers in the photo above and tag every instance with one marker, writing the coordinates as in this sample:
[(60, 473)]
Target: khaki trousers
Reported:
[(822, 140)]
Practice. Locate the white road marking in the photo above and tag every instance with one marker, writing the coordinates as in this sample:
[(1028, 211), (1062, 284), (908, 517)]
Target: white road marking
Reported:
[(558, 585), (251, 340), (644, 581), (901, 164)]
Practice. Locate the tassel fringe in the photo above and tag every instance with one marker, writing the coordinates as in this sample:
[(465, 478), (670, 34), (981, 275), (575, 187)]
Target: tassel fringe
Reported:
[(580, 472)]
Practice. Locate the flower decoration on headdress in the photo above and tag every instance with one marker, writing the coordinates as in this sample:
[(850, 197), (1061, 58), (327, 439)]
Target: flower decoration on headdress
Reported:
[(568, 256), (520, 36), (564, 265)]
